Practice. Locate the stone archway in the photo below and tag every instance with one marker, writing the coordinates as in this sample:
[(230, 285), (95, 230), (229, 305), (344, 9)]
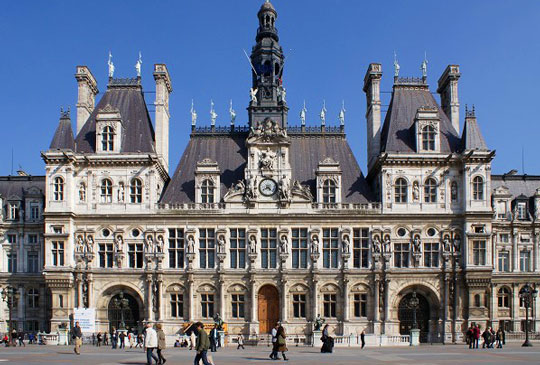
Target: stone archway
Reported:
[(124, 307), (268, 308), (406, 316)]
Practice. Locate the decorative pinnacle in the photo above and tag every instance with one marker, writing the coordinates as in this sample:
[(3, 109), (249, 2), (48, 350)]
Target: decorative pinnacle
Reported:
[(470, 113), (65, 113)]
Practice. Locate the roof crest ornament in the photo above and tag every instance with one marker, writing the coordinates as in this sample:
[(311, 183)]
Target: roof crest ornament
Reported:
[(396, 66), (232, 113), (470, 113), (111, 66), (303, 114), (213, 114), (342, 112), (193, 114), (138, 65), (65, 114), (424, 66), (323, 113)]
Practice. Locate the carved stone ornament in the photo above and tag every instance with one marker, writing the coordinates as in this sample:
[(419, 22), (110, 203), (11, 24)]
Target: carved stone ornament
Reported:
[(267, 131)]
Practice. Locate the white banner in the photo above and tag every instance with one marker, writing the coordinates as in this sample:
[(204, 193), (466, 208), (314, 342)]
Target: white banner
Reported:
[(86, 318)]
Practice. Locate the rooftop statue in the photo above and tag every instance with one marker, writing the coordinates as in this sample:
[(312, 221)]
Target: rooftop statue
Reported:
[(138, 65), (303, 114), (111, 65), (193, 114)]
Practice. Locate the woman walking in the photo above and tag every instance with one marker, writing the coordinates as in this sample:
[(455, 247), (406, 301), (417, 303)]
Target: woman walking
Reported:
[(328, 342), (282, 342), (161, 343)]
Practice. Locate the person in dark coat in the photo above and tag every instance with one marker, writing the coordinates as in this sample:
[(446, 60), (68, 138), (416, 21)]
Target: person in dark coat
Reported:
[(213, 338), (363, 338), (282, 342), (202, 345), (162, 343), (76, 335), (476, 334), (328, 342)]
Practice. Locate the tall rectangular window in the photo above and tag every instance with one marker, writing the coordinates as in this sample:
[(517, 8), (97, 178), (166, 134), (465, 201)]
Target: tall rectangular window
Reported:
[(479, 252), (522, 211), (32, 262), (13, 212), (330, 248), (34, 211), (32, 239), (268, 248), (136, 255), (299, 305), (177, 305), (57, 253), (401, 254), (504, 261), (106, 253), (360, 305), (431, 254), (525, 260), (238, 248), (12, 262), (238, 303), (176, 248), (207, 248), (207, 305), (329, 305), (360, 248), (12, 239), (299, 248)]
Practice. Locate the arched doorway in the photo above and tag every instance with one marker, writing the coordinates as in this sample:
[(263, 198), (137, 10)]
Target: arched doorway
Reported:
[(405, 316), (123, 310), (268, 308)]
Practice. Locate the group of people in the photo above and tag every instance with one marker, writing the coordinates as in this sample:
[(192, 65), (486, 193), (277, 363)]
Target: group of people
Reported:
[(14, 338), (489, 336), (118, 339), (279, 342)]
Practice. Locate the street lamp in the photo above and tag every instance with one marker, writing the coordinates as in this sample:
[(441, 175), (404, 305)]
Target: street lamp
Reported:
[(121, 304), (9, 296), (413, 304), (527, 295)]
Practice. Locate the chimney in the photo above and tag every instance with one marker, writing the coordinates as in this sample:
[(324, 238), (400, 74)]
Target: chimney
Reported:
[(87, 95), (372, 88), (448, 89), (163, 90)]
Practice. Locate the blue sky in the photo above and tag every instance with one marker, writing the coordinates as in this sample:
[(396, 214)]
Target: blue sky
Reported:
[(329, 45)]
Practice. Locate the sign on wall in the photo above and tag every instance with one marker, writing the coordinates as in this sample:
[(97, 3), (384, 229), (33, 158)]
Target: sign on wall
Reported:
[(86, 318)]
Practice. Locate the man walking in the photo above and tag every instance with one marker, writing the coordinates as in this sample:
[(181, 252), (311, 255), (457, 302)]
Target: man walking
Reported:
[(77, 336), (363, 338), (202, 345), (274, 354), (213, 338), (162, 343), (150, 343), (122, 339)]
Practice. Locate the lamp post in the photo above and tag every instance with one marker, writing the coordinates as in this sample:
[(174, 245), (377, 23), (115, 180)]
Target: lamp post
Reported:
[(413, 304), (121, 304), (527, 295), (9, 296)]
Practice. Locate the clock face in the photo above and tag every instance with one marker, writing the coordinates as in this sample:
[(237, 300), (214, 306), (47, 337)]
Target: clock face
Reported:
[(268, 187)]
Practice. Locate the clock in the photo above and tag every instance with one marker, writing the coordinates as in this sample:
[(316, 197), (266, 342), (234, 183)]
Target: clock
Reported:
[(268, 187)]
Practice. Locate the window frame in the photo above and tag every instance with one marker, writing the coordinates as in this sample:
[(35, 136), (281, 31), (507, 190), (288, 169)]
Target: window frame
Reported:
[(107, 138), (430, 191), (401, 191), (299, 304), (208, 191), (238, 304), (207, 305), (329, 191), (478, 188), (330, 248), (207, 248), (361, 248), (106, 191), (360, 301), (58, 188), (58, 252), (429, 138), (269, 248), (300, 248), (177, 248), (136, 191), (237, 247), (176, 301)]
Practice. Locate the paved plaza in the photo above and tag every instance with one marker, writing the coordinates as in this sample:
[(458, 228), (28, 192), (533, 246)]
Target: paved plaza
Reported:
[(426, 354)]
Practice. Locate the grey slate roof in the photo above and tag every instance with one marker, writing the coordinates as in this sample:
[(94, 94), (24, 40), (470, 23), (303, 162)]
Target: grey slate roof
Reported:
[(517, 184), (138, 132), (398, 132), (472, 138), (230, 152), (17, 185), (63, 137)]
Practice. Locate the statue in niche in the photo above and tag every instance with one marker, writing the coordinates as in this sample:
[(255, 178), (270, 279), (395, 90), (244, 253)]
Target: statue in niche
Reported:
[(267, 159), (387, 245), (315, 244), (447, 247), (457, 244), (160, 244), (283, 244), (80, 244), (284, 188), (191, 244), (416, 191), (118, 243), (149, 243), (377, 247), (221, 244), (90, 244), (252, 244), (346, 244), (417, 245)]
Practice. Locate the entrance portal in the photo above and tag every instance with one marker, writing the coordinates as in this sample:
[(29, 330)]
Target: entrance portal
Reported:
[(268, 308), (123, 311), (405, 316)]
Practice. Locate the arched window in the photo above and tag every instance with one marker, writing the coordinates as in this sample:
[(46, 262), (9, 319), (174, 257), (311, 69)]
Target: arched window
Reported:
[(428, 138), (33, 298), (478, 188), (58, 189), (135, 191), (329, 191), (207, 191), (430, 191), (82, 192), (107, 139), (106, 191), (400, 195), (454, 191), (504, 298)]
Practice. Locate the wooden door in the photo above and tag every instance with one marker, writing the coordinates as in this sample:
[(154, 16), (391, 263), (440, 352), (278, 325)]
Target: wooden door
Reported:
[(268, 308)]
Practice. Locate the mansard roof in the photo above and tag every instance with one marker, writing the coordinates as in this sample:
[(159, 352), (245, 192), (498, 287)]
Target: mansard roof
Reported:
[(472, 138), (398, 131), (19, 186), (517, 184), (63, 137), (229, 150), (127, 97)]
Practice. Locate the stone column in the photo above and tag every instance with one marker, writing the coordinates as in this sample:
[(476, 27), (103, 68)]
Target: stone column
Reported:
[(79, 301), (149, 309), (315, 299), (160, 306), (346, 300), (515, 252), (21, 308), (284, 301), (493, 306), (536, 256), (192, 298), (253, 294), (516, 323), (91, 303), (375, 300), (222, 308), (386, 301)]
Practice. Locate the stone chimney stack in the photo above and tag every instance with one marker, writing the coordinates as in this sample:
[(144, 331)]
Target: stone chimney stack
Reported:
[(448, 89), (163, 90), (86, 95), (372, 88)]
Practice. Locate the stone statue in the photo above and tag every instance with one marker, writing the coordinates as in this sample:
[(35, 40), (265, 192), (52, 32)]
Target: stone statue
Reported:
[(303, 113), (253, 95), (457, 244), (252, 244), (221, 244), (193, 114), (396, 65), (218, 321), (315, 245), (232, 114), (118, 243), (341, 115), (191, 244), (346, 244), (213, 114), (376, 244), (282, 93), (416, 191), (319, 321), (266, 159), (323, 113), (90, 244), (138, 65), (111, 65), (284, 187), (80, 244), (149, 243), (417, 245), (160, 244), (387, 245), (424, 66), (446, 244), (453, 191), (283, 244)]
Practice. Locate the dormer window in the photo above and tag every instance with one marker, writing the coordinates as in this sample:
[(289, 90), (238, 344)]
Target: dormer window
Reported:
[(107, 139), (207, 182), (428, 138), (13, 213), (521, 210), (478, 188), (430, 191), (58, 189), (329, 191), (207, 191), (328, 182), (427, 124), (135, 191), (400, 191), (106, 191)]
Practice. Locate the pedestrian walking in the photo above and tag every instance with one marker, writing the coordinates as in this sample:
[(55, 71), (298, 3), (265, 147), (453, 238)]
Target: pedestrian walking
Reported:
[(161, 344), (114, 338), (240, 340), (131, 339), (499, 338), (76, 335), (93, 339), (99, 339), (192, 337), (106, 339), (274, 353), (139, 341), (213, 338), (202, 345), (21, 339), (476, 334), (282, 342), (150, 344), (122, 339), (328, 342), (363, 338)]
